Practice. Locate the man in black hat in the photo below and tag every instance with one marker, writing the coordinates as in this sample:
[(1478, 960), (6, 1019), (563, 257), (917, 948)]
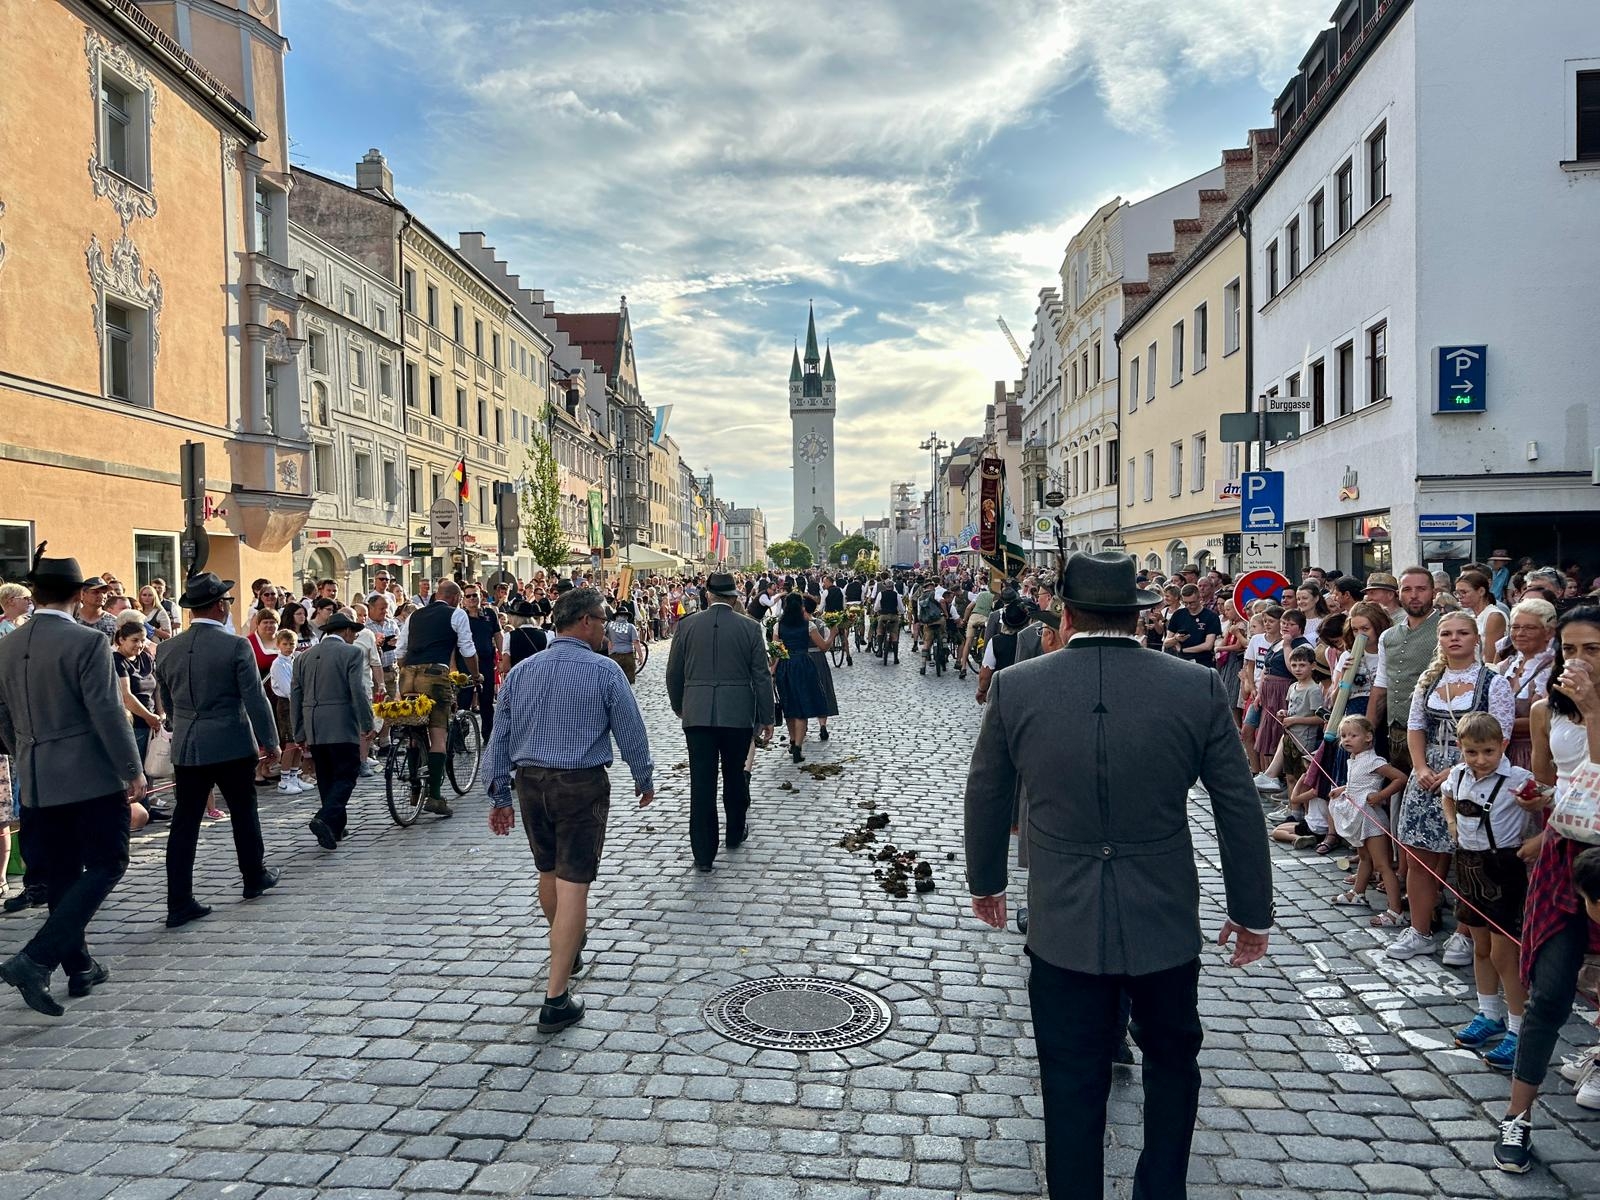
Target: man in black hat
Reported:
[(1112, 887), (62, 723), (719, 685), (331, 713), (220, 724), (1001, 650)]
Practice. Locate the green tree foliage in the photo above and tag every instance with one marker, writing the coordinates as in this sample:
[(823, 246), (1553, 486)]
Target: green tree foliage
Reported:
[(849, 548), (790, 555), (541, 506)]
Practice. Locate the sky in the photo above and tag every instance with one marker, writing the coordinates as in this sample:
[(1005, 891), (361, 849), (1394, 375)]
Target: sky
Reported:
[(913, 167)]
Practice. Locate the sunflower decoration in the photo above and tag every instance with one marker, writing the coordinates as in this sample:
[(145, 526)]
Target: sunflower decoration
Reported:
[(833, 619), (777, 651), (408, 710), (460, 679)]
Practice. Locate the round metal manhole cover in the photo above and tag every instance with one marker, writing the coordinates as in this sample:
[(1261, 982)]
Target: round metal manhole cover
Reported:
[(798, 1012)]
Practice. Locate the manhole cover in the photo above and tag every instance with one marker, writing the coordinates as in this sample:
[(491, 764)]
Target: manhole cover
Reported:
[(796, 1012)]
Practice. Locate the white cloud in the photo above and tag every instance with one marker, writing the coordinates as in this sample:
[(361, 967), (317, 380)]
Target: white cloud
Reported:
[(719, 161)]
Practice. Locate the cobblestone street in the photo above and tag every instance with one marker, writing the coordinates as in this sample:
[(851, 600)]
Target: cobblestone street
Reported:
[(366, 1029)]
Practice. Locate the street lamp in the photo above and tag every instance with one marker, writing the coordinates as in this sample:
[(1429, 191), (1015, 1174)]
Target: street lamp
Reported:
[(933, 445)]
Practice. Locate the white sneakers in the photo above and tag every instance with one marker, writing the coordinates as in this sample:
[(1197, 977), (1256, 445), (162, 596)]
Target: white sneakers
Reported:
[(289, 784), (1584, 1070), (1266, 783), (1458, 950), (1409, 944)]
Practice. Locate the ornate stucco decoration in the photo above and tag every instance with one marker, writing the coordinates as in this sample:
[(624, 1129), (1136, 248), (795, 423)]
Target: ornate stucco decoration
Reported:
[(128, 198), (276, 276), (289, 474), (231, 147), (123, 275), (277, 345)]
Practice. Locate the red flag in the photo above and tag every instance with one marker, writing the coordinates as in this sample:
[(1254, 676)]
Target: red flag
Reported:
[(460, 476)]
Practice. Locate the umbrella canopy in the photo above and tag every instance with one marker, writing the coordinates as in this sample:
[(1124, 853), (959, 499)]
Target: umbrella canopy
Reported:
[(644, 558)]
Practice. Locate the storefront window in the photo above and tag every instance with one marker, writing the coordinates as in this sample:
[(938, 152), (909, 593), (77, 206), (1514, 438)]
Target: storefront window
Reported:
[(1364, 545), (155, 556), (1296, 554), (16, 550)]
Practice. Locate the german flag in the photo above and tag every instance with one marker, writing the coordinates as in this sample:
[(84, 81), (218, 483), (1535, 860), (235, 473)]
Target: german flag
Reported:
[(460, 476)]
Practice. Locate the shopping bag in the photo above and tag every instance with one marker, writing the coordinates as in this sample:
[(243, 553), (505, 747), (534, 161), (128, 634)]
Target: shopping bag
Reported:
[(158, 755), (1577, 812)]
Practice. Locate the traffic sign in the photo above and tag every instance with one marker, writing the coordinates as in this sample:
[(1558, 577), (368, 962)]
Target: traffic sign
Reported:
[(1258, 585), (944, 547), (1054, 499), (444, 524), (1261, 551), (1288, 404), (1043, 526), (1462, 375), (1261, 502), (1446, 524)]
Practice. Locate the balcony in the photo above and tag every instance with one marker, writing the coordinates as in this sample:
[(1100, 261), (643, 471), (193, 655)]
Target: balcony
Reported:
[(273, 278), (482, 370), (435, 345), (461, 360), (413, 329), (499, 383)]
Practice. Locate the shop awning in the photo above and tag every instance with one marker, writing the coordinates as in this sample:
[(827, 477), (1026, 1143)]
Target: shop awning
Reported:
[(644, 558), (384, 560)]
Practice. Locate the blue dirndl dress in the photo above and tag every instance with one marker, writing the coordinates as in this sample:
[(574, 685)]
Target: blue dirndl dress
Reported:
[(799, 687)]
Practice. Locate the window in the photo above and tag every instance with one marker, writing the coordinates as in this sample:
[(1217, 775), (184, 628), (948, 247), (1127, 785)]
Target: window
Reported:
[(358, 367), (363, 475), (1111, 463), (1175, 481), (1094, 460), (1294, 247), (124, 129), (1073, 392), (1094, 362), (1318, 225), (1197, 463), (322, 472), (1319, 393), (269, 395), (1378, 165), (308, 282), (483, 417), (411, 385), (1149, 475), (499, 427), (477, 337), (1177, 354), (155, 556), (1344, 188), (1233, 460), (1133, 386), (461, 408), (414, 488), (435, 397), (438, 485), (1201, 336), (1150, 372), (317, 351), (1272, 269), (349, 302), (1085, 362), (265, 241), (391, 481), (380, 318), (1378, 363), (1588, 118), (494, 350), (483, 504), (1344, 378), (433, 306), (1230, 318), (386, 379), (16, 551), (1133, 481), (411, 291), (119, 343), (458, 324), (1075, 479)]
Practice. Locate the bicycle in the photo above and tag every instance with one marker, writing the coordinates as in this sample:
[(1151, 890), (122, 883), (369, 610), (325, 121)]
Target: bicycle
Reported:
[(641, 651), (406, 781), (975, 655), (840, 650), (463, 748), (888, 639)]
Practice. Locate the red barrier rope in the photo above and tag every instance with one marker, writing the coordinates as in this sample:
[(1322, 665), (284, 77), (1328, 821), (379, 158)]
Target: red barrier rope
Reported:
[(1313, 764)]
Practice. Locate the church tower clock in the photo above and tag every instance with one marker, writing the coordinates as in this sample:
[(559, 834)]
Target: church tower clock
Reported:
[(811, 411)]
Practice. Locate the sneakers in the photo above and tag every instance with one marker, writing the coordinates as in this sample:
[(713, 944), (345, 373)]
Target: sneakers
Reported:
[(1479, 1032), (1266, 783), (1514, 1151), (1575, 1068), (1504, 1056), (1458, 950), (367, 770), (290, 785), (1589, 1092), (1410, 944), (1279, 815)]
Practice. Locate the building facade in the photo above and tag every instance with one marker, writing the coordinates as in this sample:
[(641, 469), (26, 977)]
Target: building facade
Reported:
[(354, 416), (1041, 411), (747, 537), (146, 301), (1359, 302), (812, 406)]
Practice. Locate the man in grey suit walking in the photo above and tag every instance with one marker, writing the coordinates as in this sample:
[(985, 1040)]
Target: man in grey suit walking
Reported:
[(220, 721), (1113, 893), (63, 724), (330, 712), (719, 685)]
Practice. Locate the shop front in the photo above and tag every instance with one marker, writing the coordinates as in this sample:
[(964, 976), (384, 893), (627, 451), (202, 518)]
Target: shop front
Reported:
[(1166, 548)]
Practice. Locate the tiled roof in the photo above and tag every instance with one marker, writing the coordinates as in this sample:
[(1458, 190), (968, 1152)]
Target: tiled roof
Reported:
[(596, 335)]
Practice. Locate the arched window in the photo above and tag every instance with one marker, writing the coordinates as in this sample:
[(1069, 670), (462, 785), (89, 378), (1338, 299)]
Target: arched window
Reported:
[(1177, 557), (319, 404), (1152, 561)]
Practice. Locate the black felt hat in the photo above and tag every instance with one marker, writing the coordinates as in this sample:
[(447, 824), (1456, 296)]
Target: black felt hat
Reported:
[(1104, 583), (204, 590), (54, 570)]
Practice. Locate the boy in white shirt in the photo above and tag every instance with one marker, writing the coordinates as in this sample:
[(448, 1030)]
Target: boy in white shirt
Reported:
[(279, 677)]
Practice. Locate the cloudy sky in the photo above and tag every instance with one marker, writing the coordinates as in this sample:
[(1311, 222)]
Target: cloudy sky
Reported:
[(914, 166)]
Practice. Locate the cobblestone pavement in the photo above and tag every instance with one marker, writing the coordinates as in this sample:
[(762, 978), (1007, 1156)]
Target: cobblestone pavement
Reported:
[(366, 1029)]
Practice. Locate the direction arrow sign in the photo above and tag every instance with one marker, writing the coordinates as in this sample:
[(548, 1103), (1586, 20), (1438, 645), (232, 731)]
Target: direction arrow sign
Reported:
[(444, 524), (1434, 524), (1261, 551), (1258, 585)]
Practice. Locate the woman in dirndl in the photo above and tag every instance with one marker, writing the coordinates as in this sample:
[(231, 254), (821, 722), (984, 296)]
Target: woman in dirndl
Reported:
[(799, 686), (1456, 682), (1527, 670), (824, 667)]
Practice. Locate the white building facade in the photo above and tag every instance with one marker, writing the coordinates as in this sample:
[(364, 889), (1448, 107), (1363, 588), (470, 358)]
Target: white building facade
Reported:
[(1041, 409), (350, 382), (1411, 211)]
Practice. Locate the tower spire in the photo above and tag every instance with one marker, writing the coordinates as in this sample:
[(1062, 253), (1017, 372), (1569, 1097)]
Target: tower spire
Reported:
[(812, 355), (794, 371), (827, 367)]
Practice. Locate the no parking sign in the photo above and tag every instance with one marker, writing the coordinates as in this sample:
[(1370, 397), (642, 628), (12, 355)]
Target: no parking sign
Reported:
[(1258, 585)]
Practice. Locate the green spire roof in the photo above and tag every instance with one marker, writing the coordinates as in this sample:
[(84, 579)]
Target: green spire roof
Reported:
[(827, 367), (811, 337), (794, 371)]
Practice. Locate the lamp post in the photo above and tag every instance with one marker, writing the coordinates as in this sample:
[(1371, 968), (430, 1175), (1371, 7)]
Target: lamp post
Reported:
[(933, 445)]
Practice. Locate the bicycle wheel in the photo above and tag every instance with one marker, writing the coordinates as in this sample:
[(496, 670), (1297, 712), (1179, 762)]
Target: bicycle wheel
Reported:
[(940, 653), (642, 653), (405, 779), (464, 751), (837, 652)]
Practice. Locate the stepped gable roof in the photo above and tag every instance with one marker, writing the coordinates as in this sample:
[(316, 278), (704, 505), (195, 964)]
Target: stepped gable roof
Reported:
[(596, 334)]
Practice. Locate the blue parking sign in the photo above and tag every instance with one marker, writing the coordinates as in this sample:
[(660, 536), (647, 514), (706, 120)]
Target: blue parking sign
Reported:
[(1261, 502)]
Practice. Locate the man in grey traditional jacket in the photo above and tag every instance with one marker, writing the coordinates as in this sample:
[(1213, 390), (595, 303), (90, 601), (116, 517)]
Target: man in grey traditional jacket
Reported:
[(1107, 740)]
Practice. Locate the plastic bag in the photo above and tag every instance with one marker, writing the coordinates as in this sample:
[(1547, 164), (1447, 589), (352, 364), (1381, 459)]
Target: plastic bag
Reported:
[(158, 755), (1576, 815)]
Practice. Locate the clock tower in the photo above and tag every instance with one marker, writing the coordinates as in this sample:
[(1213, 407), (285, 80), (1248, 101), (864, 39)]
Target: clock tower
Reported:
[(811, 409)]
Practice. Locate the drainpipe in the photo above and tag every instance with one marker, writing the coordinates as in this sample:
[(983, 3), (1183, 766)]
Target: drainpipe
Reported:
[(1247, 334)]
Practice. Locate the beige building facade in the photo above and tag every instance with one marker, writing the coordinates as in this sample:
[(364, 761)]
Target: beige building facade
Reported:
[(146, 301)]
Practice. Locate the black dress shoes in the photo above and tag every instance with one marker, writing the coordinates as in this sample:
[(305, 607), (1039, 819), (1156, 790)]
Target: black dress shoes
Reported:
[(735, 840), (190, 910), (267, 879), (700, 866), (553, 1017), (33, 981), (80, 983), (325, 836), (26, 898)]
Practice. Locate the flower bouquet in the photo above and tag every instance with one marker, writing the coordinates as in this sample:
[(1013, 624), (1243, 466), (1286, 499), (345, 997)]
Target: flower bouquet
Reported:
[(834, 619), (460, 679), (408, 710), (777, 651)]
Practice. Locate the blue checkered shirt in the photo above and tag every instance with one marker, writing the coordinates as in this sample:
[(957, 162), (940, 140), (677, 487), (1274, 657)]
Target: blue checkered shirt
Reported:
[(560, 709)]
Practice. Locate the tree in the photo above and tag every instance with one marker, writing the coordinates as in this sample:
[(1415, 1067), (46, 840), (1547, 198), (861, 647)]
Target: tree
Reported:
[(849, 548), (541, 507), (790, 555)]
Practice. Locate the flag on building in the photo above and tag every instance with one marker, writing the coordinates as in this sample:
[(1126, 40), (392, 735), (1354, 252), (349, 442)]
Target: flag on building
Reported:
[(463, 492)]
